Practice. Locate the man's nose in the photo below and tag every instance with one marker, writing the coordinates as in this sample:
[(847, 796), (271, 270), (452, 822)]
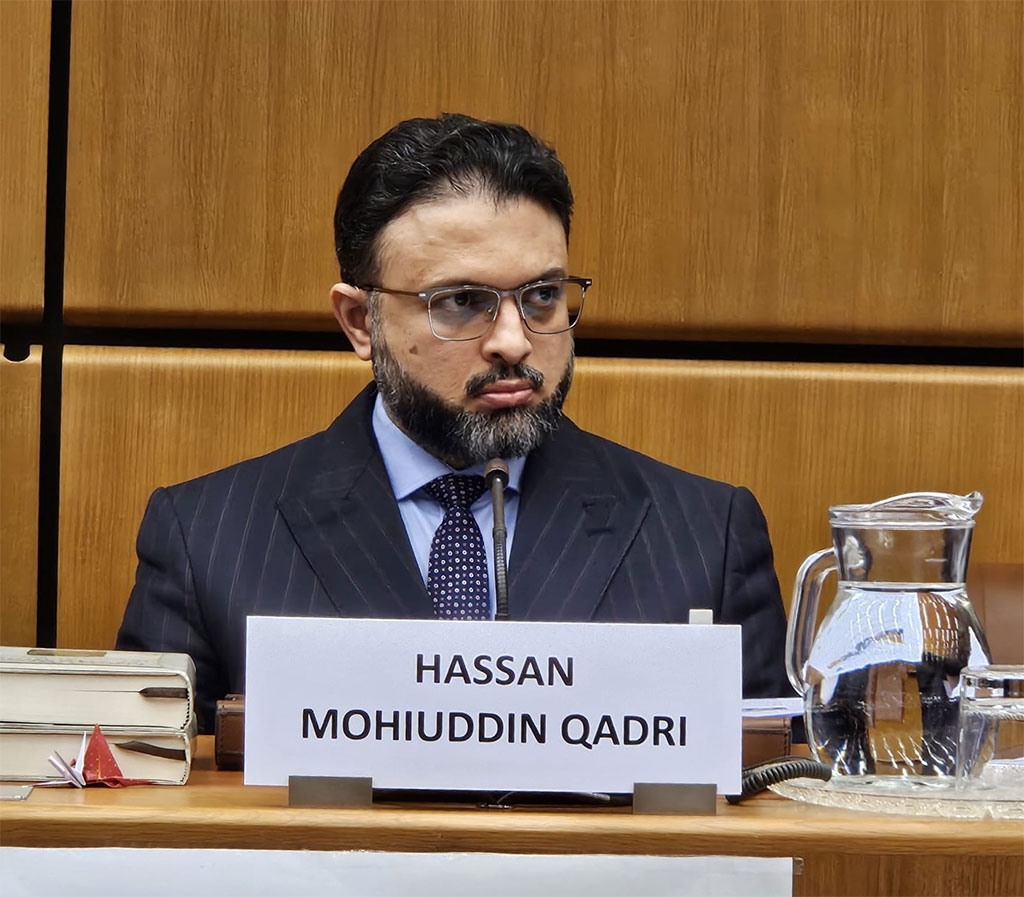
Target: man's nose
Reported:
[(508, 339)]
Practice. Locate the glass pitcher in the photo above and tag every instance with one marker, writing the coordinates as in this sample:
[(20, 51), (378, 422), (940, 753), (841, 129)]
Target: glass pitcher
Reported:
[(881, 678)]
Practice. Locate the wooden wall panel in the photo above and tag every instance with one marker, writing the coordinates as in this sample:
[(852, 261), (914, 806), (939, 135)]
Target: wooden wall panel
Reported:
[(997, 593), (135, 419), (807, 436), (24, 110), (801, 436), (19, 497), (844, 171)]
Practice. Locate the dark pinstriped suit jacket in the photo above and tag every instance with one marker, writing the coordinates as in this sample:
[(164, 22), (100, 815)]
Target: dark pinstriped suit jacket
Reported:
[(313, 529)]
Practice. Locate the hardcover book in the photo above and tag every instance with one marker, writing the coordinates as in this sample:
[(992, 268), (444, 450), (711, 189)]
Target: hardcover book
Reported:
[(130, 689), (161, 757)]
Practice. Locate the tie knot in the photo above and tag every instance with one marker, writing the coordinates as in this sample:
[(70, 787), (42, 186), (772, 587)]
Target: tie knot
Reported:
[(455, 491)]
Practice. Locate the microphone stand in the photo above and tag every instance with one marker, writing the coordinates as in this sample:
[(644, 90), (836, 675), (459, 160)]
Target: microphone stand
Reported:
[(496, 478)]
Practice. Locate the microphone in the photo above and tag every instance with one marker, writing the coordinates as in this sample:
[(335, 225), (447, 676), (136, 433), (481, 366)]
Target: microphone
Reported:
[(496, 478)]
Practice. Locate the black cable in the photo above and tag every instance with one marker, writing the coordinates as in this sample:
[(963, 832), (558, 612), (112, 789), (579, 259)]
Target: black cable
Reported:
[(757, 778)]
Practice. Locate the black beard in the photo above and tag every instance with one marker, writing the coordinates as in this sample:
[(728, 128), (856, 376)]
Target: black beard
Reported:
[(463, 438)]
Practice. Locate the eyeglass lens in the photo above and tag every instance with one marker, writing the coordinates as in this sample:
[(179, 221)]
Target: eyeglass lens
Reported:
[(468, 313)]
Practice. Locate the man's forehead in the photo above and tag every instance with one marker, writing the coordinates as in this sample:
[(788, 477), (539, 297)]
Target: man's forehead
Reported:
[(461, 236), (458, 214)]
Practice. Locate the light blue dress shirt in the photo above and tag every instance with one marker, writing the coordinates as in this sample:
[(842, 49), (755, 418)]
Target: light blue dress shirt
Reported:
[(410, 467)]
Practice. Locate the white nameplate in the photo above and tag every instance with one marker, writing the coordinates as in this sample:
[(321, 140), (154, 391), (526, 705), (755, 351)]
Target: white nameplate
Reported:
[(492, 706)]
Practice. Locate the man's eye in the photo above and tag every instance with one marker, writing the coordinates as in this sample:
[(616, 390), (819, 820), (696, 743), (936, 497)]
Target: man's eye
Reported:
[(463, 301), (544, 295)]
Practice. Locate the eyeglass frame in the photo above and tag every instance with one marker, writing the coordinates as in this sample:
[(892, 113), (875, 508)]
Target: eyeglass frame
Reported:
[(517, 293)]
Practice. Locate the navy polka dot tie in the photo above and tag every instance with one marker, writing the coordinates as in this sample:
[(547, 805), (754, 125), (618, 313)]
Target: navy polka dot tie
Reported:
[(457, 575)]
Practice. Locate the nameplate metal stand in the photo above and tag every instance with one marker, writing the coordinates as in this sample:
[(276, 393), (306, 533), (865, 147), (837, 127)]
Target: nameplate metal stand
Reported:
[(341, 792), (660, 799)]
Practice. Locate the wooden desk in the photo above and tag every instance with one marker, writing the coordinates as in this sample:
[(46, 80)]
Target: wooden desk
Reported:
[(844, 852)]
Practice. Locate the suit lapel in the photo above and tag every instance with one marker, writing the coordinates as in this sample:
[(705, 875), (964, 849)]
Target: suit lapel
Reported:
[(344, 517), (576, 521), (577, 518)]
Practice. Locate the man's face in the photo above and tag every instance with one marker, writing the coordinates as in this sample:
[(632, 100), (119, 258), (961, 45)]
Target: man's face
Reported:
[(472, 400)]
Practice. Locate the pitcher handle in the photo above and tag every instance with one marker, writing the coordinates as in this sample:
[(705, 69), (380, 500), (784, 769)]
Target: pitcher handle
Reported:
[(803, 614)]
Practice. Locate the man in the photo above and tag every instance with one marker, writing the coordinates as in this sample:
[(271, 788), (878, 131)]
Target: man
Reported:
[(452, 237)]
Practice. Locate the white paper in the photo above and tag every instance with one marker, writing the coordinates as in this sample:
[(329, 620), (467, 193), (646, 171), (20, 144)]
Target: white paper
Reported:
[(123, 872), (772, 708)]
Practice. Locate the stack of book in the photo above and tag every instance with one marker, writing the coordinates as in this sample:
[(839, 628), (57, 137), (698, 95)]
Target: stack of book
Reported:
[(144, 703)]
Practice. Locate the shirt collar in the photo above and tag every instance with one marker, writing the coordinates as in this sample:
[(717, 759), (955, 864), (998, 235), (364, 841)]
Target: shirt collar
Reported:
[(410, 466)]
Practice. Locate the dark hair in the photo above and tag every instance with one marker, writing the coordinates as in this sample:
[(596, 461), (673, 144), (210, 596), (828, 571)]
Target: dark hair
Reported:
[(426, 158)]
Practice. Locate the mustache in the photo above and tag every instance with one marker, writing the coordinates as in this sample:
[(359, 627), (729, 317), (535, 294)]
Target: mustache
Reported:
[(479, 382)]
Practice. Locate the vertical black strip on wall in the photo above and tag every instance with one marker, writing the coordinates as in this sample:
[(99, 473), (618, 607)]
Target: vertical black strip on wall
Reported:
[(53, 323)]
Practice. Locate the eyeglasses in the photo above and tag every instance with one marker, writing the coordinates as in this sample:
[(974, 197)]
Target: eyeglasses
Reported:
[(467, 312)]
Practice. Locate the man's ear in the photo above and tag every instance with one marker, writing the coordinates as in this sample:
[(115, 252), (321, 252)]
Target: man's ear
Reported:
[(352, 313)]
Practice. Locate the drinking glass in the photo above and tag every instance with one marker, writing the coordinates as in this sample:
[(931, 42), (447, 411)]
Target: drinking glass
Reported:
[(990, 759)]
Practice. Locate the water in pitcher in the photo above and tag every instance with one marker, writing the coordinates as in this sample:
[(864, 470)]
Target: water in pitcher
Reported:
[(883, 678)]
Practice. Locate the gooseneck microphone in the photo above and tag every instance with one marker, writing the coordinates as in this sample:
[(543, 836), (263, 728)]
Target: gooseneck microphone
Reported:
[(496, 478)]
